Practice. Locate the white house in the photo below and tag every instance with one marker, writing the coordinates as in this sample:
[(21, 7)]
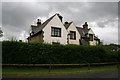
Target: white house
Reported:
[(73, 34), (53, 31)]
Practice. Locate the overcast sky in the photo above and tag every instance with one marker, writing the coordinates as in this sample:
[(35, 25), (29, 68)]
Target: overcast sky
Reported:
[(102, 17)]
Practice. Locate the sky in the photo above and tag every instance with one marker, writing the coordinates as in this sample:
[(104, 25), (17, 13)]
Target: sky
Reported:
[(102, 17)]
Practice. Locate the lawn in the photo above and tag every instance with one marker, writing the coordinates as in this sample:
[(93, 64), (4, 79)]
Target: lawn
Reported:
[(44, 71)]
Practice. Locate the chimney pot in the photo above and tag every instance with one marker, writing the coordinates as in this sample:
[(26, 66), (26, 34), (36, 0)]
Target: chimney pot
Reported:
[(38, 22), (66, 22), (85, 26)]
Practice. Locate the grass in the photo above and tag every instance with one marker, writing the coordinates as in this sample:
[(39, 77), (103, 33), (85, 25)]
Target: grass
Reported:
[(44, 71)]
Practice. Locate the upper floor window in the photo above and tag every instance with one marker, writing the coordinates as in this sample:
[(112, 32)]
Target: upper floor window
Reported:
[(72, 35), (55, 32), (91, 37)]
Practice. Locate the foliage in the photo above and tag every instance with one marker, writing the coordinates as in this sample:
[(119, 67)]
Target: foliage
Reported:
[(1, 33), (41, 53)]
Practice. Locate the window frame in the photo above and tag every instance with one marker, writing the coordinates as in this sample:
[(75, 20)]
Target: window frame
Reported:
[(74, 32), (91, 37), (55, 32), (55, 42)]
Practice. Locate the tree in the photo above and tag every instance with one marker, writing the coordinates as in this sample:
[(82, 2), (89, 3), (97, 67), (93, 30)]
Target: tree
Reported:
[(1, 33)]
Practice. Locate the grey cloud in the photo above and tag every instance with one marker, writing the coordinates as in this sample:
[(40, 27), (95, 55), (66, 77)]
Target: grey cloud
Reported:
[(17, 17), (17, 14), (90, 11), (106, 21), (21, 14)]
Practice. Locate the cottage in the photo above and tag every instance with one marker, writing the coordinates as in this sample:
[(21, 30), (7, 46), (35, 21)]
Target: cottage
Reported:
[(54, 31), (51, 31)]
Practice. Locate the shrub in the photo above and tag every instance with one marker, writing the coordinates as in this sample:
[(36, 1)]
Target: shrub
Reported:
[(41, 53)]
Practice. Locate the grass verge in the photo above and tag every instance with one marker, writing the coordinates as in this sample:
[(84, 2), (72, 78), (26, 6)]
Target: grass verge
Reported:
[(18, 71)]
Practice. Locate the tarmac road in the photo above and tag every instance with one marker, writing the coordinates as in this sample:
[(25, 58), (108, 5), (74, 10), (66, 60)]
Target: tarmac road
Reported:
[(97, 75)]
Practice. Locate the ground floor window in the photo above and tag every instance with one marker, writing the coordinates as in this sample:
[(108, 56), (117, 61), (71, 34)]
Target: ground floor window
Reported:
[(55, 43)]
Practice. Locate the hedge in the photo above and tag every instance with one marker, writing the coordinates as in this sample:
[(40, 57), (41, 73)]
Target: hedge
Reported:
[(41, 53)]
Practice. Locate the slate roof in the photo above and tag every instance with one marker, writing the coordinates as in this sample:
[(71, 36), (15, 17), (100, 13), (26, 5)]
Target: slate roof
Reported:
[(83, 32), (37, 29)]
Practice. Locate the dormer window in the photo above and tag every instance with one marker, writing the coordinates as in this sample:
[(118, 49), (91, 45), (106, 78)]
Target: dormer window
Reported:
[(72, 35), (55, 32)]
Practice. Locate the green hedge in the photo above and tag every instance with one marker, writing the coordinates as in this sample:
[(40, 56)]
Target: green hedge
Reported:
[(40, 53)]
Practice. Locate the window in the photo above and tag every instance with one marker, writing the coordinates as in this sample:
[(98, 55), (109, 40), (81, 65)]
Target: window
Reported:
[(91, 37), (72, 35), (55, 32), (55, 43)]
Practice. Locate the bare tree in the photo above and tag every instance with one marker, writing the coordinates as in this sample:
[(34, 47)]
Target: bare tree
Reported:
[(1, 33)]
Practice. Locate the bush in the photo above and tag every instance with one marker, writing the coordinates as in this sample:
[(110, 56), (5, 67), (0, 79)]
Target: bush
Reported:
[(41, 53)]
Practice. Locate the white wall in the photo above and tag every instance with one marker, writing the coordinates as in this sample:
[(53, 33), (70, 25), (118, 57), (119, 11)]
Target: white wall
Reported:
[(55, 22), (94, 41), (90, 32), (73, 28)]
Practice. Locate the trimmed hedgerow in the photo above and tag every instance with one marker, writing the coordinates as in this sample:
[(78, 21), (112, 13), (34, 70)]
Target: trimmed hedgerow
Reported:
[(41, 53)]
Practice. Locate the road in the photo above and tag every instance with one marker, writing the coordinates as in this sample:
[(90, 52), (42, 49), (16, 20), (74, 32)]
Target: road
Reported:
[(103, 74)]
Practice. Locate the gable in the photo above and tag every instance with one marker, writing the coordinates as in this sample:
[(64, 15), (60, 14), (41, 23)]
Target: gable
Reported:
[(55, 21), (90, 31), (72, 27)]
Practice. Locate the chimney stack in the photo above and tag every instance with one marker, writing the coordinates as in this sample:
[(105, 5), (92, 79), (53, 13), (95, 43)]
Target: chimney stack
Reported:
[(38, 22), (66, 22), (85, 26)]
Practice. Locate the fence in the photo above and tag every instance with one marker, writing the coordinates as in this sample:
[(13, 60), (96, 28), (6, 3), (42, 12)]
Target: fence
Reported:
[(50, 65)]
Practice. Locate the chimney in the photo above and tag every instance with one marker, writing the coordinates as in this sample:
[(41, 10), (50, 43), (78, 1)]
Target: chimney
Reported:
[(60, 17), (38, 22), (85, 26), (66, 22)]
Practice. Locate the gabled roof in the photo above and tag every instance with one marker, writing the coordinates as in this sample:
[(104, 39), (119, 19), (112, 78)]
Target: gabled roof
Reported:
[(82, 31)]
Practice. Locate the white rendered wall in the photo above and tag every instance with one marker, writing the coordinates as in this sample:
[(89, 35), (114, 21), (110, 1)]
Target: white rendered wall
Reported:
[(73, 28), (94, 41), (55, 22)]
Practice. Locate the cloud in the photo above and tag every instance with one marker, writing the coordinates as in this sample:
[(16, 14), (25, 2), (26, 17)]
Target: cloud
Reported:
[(60, 1), (23, 36), (21, 14), (108, 33), (18, 16)]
